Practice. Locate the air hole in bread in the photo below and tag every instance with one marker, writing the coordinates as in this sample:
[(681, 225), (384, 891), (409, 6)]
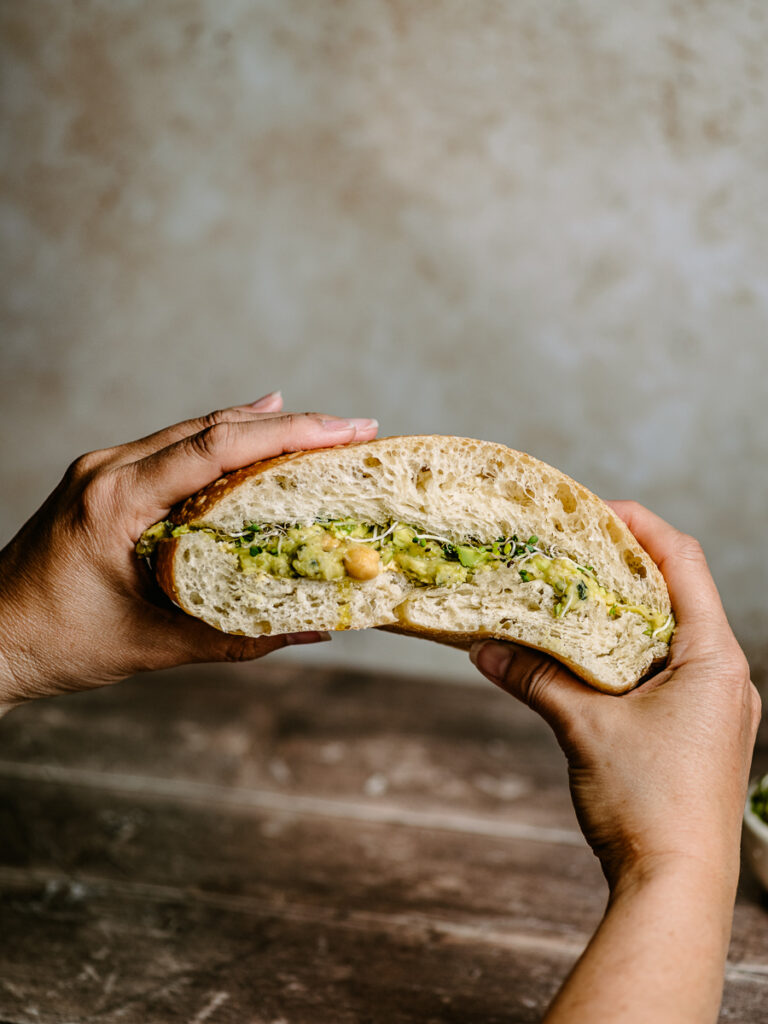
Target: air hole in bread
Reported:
[(635, 565), (530, 492), (195, 598), (372, 462), (263, 626), (423, 477), (185, 556), (515, 493), (558, 525), (613, 530), (490, 471), (566, 498)]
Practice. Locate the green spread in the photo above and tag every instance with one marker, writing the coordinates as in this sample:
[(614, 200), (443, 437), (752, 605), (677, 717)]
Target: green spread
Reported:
[(349, 550)]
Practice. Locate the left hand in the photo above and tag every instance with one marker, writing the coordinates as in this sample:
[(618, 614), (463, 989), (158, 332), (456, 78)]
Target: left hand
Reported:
[(77, 608)]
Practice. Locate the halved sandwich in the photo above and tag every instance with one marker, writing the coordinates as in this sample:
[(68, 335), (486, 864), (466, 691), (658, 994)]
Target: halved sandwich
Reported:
[(446, 538)]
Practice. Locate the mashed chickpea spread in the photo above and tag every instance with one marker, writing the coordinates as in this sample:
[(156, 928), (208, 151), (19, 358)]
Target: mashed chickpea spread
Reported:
[(346, 549)]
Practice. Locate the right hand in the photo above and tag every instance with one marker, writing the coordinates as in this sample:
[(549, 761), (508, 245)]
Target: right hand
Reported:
[(659, 774)]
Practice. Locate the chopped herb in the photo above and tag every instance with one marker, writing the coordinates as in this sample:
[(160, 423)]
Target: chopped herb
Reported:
[(613, 611), (533, 540), (581, 589), (525, 576), (254, 550)]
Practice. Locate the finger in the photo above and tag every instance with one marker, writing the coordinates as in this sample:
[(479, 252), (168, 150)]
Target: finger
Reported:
[(180, 639), (273, 402), (226, 647), (534, 678), (161, 479), (695, 599), (268, 405)]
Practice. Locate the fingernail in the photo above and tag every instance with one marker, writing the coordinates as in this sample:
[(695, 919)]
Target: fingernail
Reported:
[(348, 424), (312, 637), (492, 659), (364, 424), (265, 400), (336, 425)]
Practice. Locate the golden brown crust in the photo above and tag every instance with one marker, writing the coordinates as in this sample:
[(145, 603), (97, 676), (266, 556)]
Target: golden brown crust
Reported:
[(164, 560)]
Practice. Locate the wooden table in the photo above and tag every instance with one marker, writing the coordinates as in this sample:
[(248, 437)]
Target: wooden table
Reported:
[(271, 844)]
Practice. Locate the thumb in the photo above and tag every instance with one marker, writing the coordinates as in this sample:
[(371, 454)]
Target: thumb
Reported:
[(534, 678)]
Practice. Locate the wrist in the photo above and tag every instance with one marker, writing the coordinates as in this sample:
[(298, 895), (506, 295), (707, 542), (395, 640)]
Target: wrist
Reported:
[(713, 872), (7, 683), (18, 672), (659, 952)]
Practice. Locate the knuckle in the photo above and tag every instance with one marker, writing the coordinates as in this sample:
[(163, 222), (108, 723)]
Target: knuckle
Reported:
[(213, 419), (535, 682), (84, 467), (96, 498), (208, 442), (689, 549), (633, 507)]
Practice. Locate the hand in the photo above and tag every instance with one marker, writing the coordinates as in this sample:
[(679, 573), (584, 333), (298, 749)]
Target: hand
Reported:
[(77, 608), (659, 774), (658, 779)]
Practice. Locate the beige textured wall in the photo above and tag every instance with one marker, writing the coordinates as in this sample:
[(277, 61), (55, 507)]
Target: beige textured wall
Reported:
[(540, 223)]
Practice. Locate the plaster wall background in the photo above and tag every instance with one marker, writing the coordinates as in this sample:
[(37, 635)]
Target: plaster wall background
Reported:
[(541, 223)]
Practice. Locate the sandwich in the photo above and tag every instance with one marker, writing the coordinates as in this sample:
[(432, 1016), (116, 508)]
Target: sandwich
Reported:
[(445, 538)]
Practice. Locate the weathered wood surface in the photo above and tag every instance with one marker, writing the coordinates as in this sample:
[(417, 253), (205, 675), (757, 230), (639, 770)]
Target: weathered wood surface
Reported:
[(276, 844)]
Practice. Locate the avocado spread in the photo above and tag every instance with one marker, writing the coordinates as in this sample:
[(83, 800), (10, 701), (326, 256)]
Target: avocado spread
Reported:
[(344, 549)]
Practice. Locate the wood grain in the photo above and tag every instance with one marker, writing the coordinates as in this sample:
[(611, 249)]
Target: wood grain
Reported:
[(273, 843)]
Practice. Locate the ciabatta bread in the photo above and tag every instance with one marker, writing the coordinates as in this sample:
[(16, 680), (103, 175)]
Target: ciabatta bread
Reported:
[(447, 486)]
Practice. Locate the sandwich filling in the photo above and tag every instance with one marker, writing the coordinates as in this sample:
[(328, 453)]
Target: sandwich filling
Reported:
[(341, 549)]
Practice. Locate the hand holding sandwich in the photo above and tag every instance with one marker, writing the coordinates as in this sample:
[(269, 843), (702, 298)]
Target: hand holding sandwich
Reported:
[(77, 609), (658, 779)]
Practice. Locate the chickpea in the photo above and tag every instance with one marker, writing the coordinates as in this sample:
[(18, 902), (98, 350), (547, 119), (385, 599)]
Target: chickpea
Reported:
[(361, 562), (328, 543)]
